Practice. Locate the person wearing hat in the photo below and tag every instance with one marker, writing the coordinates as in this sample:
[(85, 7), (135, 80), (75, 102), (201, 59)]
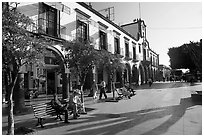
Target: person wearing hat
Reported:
[(75, 103)]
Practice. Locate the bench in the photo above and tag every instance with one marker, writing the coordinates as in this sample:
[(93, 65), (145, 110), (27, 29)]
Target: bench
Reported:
[(43, 110), (120, 95)]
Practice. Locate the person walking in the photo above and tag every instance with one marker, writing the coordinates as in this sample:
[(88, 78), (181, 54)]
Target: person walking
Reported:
[(103, 90), (150, 82)]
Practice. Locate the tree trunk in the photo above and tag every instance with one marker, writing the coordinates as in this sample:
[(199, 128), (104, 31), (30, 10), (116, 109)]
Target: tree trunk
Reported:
[(82, 101), (111, 85), (10, 109), (19, 94), (65, 86), (113, 90)]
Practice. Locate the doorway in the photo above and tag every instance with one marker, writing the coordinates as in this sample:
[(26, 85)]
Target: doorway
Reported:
[(51, 82)]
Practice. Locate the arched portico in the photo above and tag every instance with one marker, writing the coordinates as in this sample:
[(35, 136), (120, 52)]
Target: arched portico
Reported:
[(56, 71)]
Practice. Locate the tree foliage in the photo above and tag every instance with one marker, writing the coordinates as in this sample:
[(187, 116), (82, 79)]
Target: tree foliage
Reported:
[(81, 58), (19, 47), (111, 62), (188, 56)]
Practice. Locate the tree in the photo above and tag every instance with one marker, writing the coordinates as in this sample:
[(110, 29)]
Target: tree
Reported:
[(188, 56), (19, 47), (81, 58), (112, 63)]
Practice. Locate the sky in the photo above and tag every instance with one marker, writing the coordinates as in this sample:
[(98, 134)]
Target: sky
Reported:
[(168, 24)]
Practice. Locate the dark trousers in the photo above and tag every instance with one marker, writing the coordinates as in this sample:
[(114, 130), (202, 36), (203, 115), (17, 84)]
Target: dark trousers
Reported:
[(103, 91)]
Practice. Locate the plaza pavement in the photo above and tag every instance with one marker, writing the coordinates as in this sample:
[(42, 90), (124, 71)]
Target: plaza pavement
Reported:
[(163, 109)]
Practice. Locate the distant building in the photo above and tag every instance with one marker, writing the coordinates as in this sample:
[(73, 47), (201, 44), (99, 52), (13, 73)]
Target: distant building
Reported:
[(150, 59)]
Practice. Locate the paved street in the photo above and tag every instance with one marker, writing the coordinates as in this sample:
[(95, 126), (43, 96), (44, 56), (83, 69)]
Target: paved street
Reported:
[(163, 109)]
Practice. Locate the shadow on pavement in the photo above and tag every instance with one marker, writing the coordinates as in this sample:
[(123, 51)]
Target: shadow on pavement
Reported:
[(115, 123), (111, 124), (31, 121)]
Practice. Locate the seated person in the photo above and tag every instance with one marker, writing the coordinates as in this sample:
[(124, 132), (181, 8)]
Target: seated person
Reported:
[(75, 103), (129, 88), (58, 106), (125, 92)]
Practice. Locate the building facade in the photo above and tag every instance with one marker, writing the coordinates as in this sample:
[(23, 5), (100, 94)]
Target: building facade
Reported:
[(78, 21)]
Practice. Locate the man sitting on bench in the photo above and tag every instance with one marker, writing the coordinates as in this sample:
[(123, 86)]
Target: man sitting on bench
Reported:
[(59, 107), (129, 88), (125, 92)]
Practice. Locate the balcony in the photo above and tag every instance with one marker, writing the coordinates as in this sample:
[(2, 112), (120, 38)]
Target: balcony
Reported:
[(137, 59), (128, 56), (42, 26), (122, 52), (146, 61)]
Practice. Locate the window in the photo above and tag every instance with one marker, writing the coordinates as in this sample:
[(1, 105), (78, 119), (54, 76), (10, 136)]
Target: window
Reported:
[(117, 45), (134, 52), (126, 49), (48, 20), (103, 40), (82, 31), (139, 48), (144, 54)]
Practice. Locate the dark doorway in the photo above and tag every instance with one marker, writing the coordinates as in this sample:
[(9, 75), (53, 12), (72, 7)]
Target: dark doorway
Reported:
[(50, 82)]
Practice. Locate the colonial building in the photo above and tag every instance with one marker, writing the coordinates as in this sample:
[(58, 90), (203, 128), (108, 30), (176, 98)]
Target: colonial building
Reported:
[(148, 59), (78, 21)]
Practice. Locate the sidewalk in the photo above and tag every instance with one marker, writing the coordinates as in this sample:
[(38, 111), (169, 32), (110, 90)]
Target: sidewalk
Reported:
[(108, 117), (28, 120)]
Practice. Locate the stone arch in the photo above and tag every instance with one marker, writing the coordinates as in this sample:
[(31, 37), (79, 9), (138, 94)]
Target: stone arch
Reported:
[(63, 69), (59, 54)]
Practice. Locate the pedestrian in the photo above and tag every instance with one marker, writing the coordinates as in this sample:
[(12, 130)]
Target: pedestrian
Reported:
[(150, 82), (75, 103), (94, 89), (103, 90)]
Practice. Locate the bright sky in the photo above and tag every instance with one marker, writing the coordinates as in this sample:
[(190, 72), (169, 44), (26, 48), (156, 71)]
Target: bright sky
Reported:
[(169, 24)]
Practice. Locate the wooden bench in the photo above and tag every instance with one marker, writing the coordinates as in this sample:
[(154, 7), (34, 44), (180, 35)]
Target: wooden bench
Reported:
[(43, 110)]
